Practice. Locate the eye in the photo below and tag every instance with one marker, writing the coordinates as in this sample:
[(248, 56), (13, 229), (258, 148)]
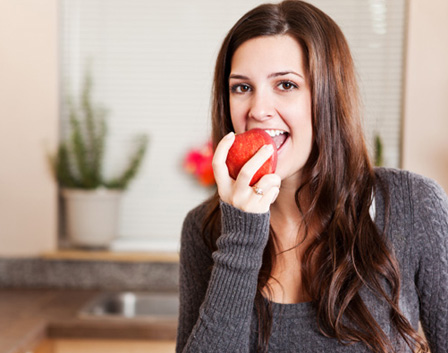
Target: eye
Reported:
[(287, 86), (240, 88)]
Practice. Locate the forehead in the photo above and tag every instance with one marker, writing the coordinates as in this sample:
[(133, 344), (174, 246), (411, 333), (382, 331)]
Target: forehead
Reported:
[(266, 53)]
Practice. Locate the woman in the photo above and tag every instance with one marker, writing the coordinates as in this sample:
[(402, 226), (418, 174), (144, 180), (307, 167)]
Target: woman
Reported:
[(332, 255)]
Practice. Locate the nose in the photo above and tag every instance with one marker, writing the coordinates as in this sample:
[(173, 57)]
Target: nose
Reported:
[(262, 106)]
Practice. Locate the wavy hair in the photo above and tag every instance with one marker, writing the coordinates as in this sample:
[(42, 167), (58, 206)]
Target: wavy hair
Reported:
[(349, 252)]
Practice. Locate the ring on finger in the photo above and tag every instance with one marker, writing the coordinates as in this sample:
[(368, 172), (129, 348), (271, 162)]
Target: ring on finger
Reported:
[(258, 191)]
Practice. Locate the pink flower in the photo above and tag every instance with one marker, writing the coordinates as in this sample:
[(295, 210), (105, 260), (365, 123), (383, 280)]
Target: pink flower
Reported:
[(199, 163)]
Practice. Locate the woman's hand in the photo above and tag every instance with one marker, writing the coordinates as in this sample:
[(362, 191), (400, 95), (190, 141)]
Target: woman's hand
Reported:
[(239, 193)]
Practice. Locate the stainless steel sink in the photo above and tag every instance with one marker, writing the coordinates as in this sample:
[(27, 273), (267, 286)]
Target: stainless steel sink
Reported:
[(132, 305)]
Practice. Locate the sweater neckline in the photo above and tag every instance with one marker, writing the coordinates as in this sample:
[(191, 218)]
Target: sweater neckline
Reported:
[(291, 309)]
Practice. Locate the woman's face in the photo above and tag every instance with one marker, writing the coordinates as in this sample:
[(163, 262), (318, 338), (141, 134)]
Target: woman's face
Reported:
[(269, 90)]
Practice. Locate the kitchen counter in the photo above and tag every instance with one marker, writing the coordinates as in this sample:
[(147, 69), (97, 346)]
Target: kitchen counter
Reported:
[(87, 270), (27, 316)]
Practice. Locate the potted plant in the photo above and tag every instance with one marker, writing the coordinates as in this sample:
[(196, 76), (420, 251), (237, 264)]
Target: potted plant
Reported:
[(378, 151), (91, 201)]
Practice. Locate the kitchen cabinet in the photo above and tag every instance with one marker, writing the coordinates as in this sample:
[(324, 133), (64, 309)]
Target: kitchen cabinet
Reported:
[(111, 346), (103, 346), (46, 346)]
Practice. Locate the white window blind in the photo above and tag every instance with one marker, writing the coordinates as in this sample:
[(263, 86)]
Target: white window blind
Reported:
[(152, 64)]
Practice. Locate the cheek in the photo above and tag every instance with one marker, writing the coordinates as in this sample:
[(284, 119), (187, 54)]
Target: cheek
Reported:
[(301, 126), (308, 135), (305, 120), (307, 128)]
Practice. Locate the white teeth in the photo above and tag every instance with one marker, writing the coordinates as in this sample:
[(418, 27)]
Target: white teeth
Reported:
[(273, 133)]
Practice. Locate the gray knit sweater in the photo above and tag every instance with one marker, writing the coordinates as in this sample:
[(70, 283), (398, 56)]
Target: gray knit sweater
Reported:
[(217, 290)]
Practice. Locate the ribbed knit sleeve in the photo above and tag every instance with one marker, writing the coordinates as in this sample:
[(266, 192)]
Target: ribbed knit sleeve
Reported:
[(223, 323), (430, 223)]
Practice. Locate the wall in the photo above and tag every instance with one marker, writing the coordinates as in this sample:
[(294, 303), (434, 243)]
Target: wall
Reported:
[(28, 126), (425, 141)]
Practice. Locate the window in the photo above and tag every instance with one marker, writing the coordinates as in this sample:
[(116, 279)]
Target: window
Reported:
[(152, 64)]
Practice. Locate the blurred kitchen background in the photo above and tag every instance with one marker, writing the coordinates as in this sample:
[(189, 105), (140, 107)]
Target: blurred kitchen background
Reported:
[(152, 67)]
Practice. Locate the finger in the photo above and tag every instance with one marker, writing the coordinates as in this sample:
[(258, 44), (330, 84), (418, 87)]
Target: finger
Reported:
[(271, 194), (252, 165), (219, 165), (269, 180), (261, 203), (270, 186)]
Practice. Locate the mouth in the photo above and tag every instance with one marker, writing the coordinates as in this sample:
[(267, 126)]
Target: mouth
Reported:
[(279, 137)]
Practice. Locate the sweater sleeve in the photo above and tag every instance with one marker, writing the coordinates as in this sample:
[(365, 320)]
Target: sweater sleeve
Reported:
[(222, 321), (430, 223)]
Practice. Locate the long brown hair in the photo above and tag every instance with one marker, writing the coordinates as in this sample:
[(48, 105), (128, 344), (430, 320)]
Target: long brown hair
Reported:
[(349, 252)]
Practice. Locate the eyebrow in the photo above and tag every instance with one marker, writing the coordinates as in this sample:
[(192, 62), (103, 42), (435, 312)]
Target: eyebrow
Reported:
[(275, 74)]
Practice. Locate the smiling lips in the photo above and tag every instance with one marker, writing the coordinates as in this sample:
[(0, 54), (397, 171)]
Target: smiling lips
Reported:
[(279, 136)]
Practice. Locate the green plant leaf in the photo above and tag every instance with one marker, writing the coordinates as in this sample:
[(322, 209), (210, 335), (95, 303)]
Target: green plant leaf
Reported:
[(379, 159), (62, 169), (122, 181), (79, 160)]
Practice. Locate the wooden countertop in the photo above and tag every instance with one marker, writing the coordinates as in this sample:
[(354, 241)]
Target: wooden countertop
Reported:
[(29, 315), (116, 256)]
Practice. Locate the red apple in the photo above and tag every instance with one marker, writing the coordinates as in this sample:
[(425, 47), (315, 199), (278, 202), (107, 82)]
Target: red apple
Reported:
[(244, 147)]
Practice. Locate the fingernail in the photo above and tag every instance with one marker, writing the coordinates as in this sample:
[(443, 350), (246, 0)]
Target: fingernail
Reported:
[(229, 135)]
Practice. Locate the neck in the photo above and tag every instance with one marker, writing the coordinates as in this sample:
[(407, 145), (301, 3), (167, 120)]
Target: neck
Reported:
[(286, 218), (285, 207)]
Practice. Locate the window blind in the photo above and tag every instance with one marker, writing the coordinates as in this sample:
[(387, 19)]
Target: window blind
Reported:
[(152, 64)]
